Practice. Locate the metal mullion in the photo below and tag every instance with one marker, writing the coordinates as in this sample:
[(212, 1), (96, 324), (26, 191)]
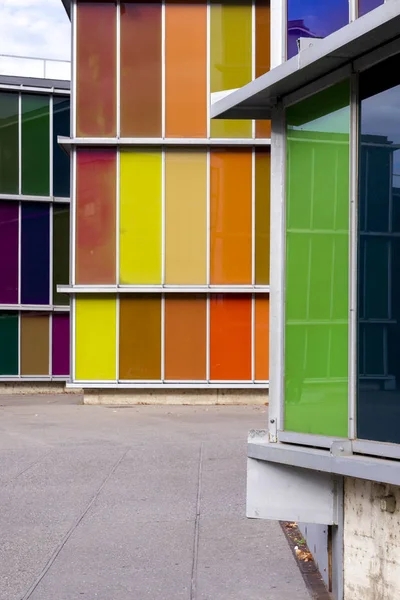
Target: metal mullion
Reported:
[(51, 274), (208, 66), (74, 45), (162, 141), (253, 337), (163, 217), (163, 9), (32, 89), (51, 145), (72, 320), (50, 344), (19, 144), (19, 345), (353, 10), (159, 385), (117, 335), (253, 56), (72, 219), (118, 69), (19, 250), (117, 215), (353, 258)]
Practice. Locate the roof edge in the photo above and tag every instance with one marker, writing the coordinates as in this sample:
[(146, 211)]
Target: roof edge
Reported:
[(67, 6)]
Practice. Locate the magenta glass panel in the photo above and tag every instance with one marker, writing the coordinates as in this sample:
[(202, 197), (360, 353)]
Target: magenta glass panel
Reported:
[(60, 351), (9, 252)]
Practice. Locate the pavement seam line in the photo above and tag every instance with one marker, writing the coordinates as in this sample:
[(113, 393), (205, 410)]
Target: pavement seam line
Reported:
[(28, 468), (193, 583), (66, 537)]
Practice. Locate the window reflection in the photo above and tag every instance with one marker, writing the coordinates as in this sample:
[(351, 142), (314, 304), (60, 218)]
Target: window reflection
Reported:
[(314, 19), (379, 255)]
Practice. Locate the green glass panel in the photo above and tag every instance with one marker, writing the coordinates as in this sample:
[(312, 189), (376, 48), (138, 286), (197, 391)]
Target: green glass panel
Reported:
[(35, 145), (60, 251), (8, 343), (317, 238), (8, 143)]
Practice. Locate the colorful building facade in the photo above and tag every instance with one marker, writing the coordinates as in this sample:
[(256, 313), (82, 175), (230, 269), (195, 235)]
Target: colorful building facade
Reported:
[(334, 423), (170, 211), (34, 225)]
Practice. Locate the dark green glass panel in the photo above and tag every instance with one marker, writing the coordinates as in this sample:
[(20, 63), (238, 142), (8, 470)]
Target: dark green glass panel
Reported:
[(8, 343), (8, 143), (60, 251), (35, 145), (317, 237), (378, 402), (61, 126)]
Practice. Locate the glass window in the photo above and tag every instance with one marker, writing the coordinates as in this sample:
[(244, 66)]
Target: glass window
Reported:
[(35, 135), (365, 6), (314, 19), (35, 253), (60, 251), (9, 343), (378, 411), (9, 154), (35, 344), (317, 234), (61, 118), (9, 226), (60, 344)]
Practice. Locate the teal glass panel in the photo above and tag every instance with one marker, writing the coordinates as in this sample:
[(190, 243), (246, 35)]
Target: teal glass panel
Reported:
[(317, 239), (8, 143), (8, 343), (35, 145)]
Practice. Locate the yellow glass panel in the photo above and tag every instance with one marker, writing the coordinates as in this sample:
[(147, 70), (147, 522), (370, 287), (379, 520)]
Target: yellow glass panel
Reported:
[(95, 349), (186, 217), (230, 58), (140, 217)]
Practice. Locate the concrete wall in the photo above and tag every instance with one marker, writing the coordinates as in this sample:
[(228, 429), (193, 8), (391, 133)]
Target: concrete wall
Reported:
[(192, 397), (371, 541), (8, 388)]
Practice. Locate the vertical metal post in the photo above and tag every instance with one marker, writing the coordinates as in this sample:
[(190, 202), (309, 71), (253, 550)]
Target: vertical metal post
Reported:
[(278, 12), (277, 271)]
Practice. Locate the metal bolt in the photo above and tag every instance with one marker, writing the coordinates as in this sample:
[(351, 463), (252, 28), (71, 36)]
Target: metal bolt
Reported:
[(272, 420)]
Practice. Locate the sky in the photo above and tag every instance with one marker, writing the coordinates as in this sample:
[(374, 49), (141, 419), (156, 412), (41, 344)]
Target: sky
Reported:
[(37, 28)]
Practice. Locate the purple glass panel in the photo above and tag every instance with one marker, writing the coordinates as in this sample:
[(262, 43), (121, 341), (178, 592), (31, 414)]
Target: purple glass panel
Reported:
[(60, 350), (314, 19), (365, 6), (9, 252)]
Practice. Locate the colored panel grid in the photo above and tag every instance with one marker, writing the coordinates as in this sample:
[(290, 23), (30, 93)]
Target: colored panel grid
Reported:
[(186, 69), (9, 344), (186, 217), (60, 252), (317, 234), (262, 216), (230, 338), (35, 145), (140, 217), (60, 344), (35, 253), (96, 217), (9, 250), (230, 58), (96, 69), (9, 179), (261, 342), (61, 126), (34, 344), (231, 220), (140, 338), (263, 54), (95, 338), (141, 69), (185, 338)]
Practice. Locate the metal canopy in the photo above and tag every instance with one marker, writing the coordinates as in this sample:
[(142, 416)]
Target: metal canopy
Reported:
[(256, 99)]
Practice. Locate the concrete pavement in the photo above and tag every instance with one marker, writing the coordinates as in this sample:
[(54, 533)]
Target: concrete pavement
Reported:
[(133, 503)]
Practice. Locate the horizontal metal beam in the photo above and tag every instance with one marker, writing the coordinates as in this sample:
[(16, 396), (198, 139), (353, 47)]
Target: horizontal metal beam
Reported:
[(26, 198), (34, 85), (257, 99), (162, 289), (66, 142), (34, 308), (354, 465)]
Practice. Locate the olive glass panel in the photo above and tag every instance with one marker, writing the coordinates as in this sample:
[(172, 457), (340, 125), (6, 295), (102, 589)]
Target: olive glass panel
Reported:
[(9, 156)]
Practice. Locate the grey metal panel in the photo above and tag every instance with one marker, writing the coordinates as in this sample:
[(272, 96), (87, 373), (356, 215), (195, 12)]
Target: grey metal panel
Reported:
[(363, 467), (316, 536), (60, 84), (285, 493), (256, 99)]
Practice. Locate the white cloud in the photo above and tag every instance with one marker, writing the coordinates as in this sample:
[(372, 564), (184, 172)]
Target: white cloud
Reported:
[(37, 28)]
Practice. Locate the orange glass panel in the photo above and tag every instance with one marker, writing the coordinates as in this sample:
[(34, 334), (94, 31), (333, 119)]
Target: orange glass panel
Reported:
[(230, 340), (186, 69), (34, 344), (185, 337), (263, 54), (262, 217), (96, 217), (261, 359), (140, 337), (140, 69), (231, 191), (96, 69)]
